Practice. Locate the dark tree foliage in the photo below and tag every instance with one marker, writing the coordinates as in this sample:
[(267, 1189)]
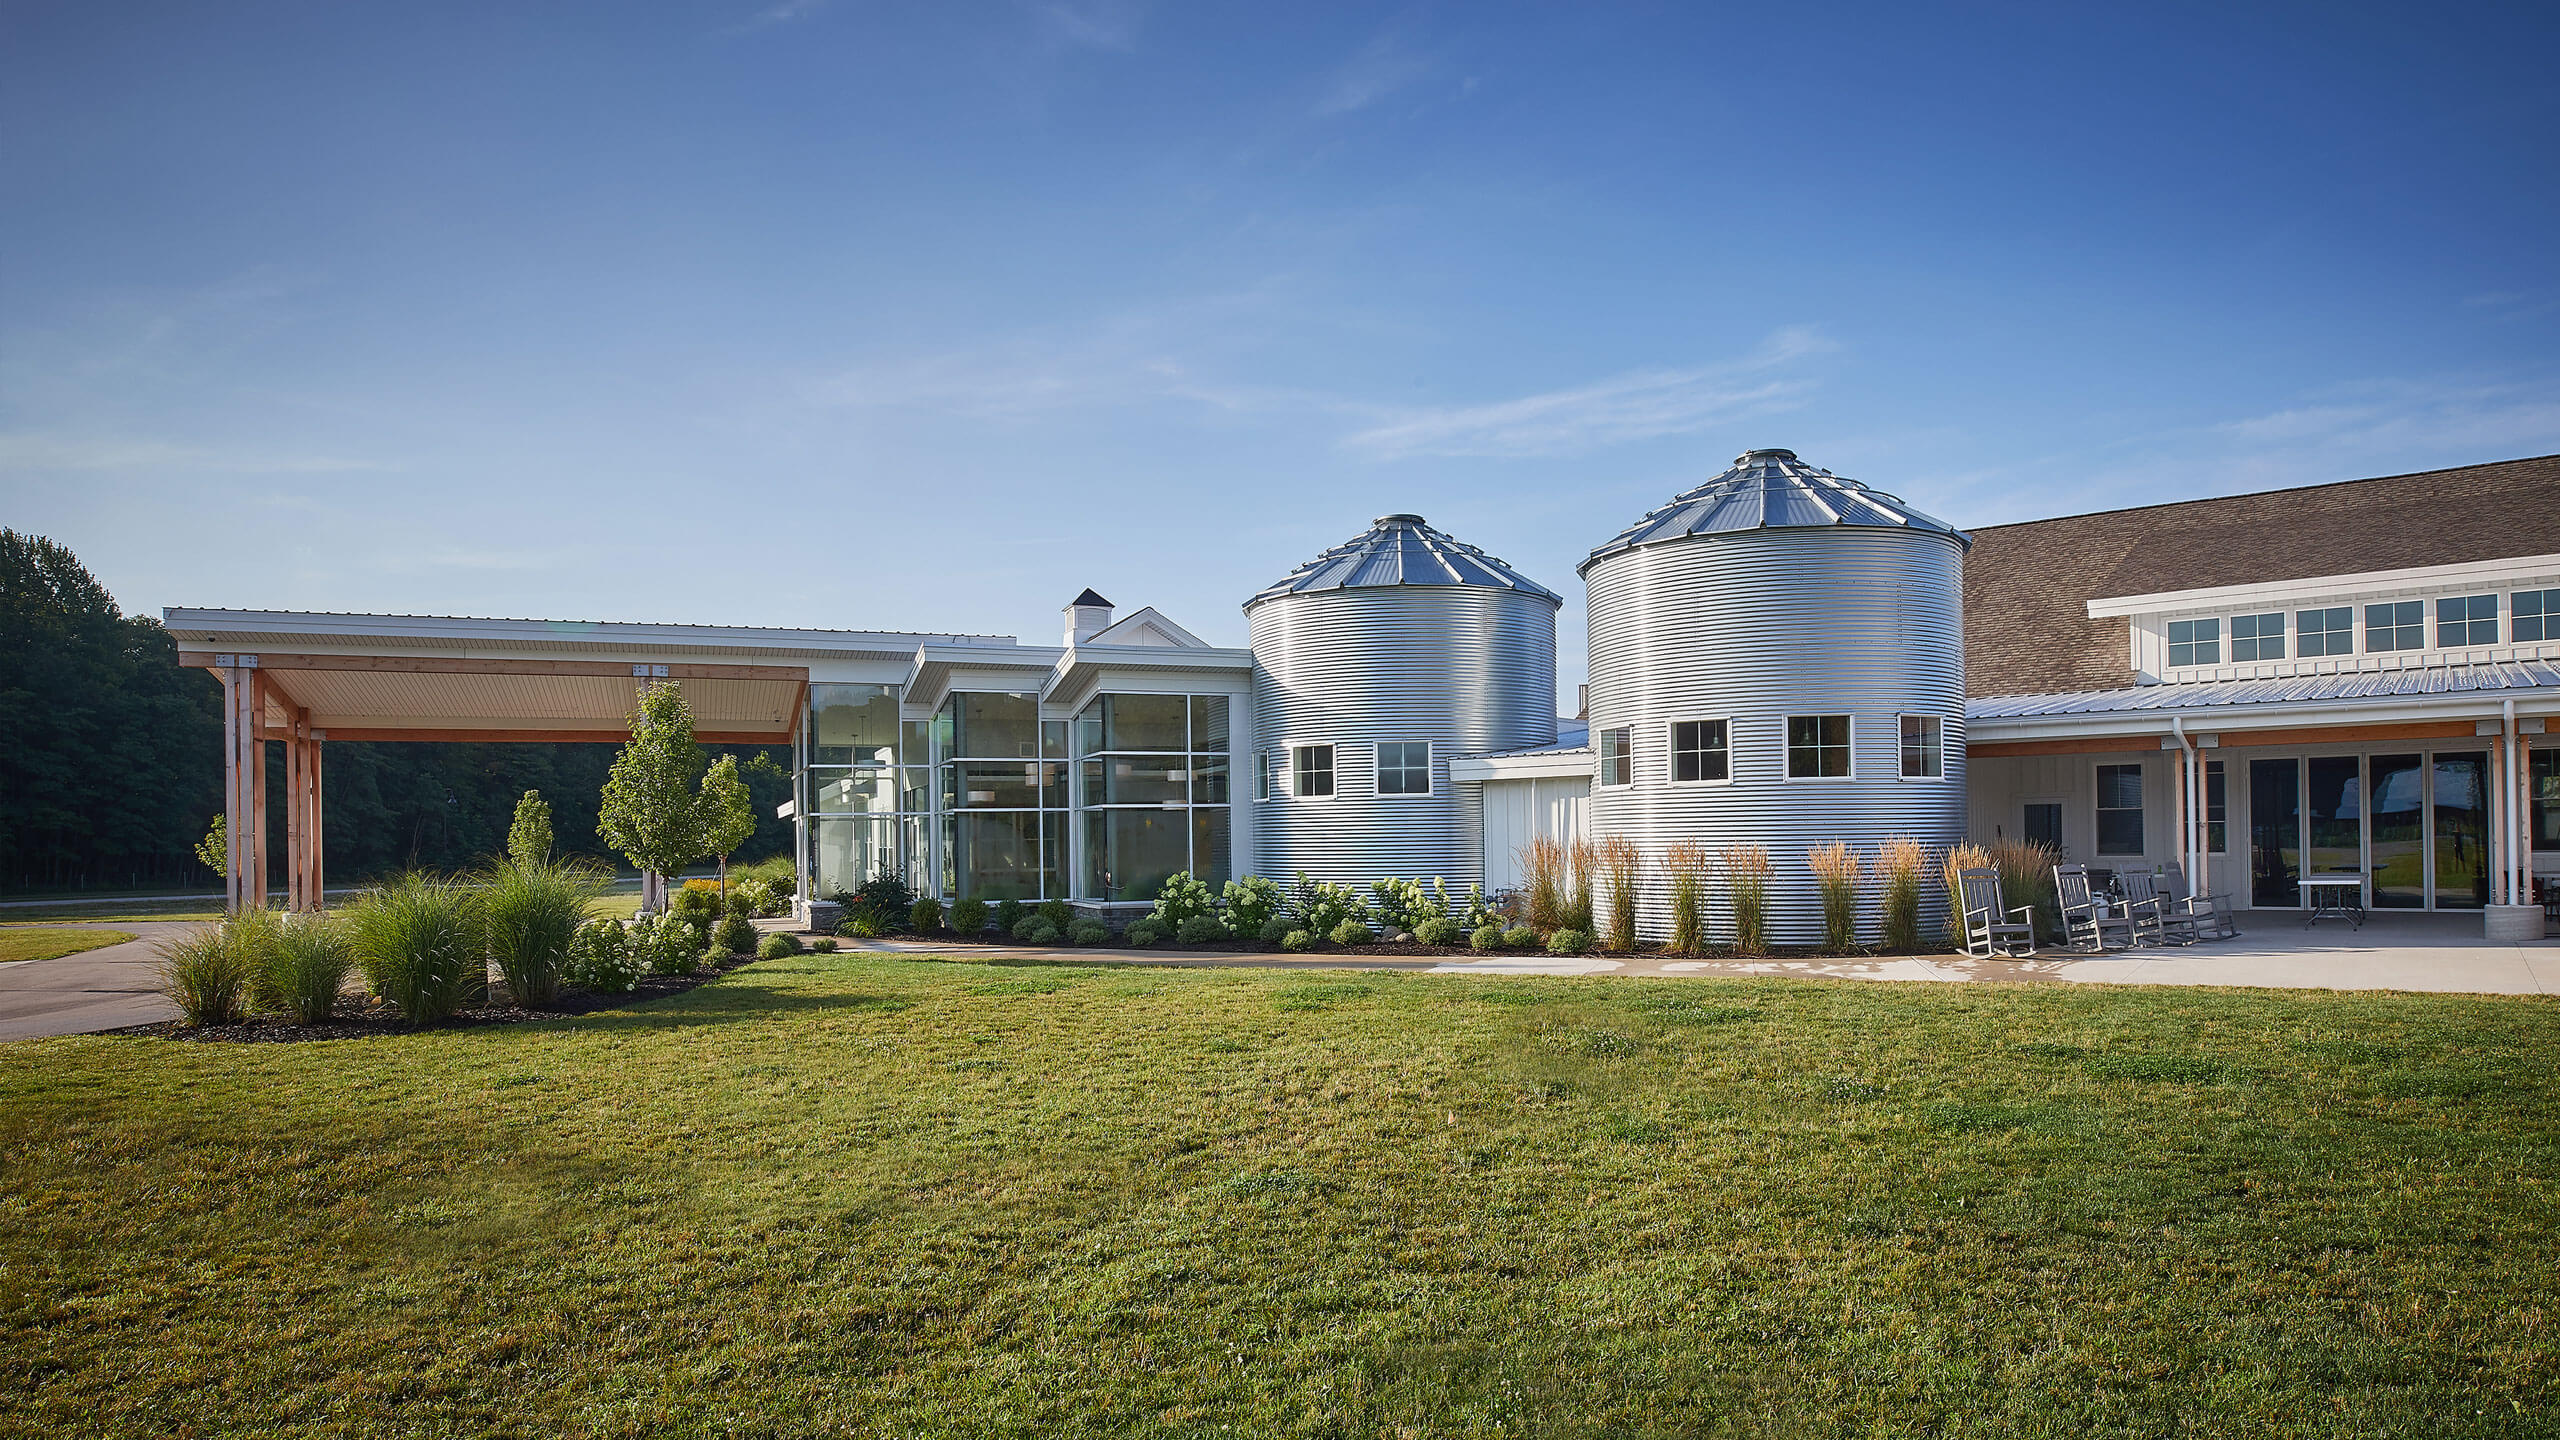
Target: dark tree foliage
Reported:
[(111, 760)]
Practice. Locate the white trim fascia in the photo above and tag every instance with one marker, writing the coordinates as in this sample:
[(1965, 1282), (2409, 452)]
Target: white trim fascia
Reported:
[(237, 629), (2484, 572), (1143, 616), (1083, 669), (2271, 715), (1539, 765), (931, 675)]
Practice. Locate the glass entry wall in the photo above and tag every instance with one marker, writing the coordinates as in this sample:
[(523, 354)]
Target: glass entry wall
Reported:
[(1001, 831), (1152, 787), (852, 789), (2415, 823)]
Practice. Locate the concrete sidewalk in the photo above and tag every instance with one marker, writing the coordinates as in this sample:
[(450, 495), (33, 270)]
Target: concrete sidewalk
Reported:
[(2432, 952), (101, 989)]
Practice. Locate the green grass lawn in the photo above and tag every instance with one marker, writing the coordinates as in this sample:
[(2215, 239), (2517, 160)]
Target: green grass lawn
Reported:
[(36, 942), (859, 1195)]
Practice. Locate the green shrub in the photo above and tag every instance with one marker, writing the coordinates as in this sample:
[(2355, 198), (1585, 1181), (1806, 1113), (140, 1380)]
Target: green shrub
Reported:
[(1486, 937), (1569, 942), (1519, 937), (884, 899), (1297, 940), (1438, 930), (1320, 905), (1200, 930), (760, 898), (1144, 932), (530, 912), (692, 901), (666, 945), (734, 935), (968, 917), (1058, 913), (1036, 930), (601, 958), (781, 944), (1009, 913), (206, 974), (307, 962), (823, 945), (1252, 903), (862, 925), (774, 872), (925, 916), (420, 941), (1274, 930), (1088, 932), (1351, 932), (740, 903), (1184, 896)]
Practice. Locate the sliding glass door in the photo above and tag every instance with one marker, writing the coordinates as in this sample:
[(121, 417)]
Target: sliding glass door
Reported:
[(2275, 832), (2398, 804), (2461, 830)]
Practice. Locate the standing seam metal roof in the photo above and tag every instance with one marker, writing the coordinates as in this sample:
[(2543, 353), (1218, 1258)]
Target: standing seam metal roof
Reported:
[(2344, 685), (1772, 490), (1402, 550)]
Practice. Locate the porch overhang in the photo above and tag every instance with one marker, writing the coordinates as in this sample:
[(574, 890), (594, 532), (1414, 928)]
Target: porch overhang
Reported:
[(2440, 701)]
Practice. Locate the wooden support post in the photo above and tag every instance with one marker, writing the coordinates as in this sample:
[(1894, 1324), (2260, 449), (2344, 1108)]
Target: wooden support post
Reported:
[(256, 871), (319, 831)]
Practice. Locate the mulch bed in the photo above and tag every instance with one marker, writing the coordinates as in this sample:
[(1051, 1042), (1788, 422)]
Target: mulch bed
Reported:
[(992, 940), (354, 1023)]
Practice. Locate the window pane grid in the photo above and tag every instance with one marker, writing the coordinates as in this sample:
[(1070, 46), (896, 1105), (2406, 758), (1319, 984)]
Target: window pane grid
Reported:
[(1817, 747), (2119, 809), (2195, 642), (2395, 625), (1313, 770), (2537, 615), (2467, 620), (1700, 751), (2325, 632), (1922, 757), (1617, 757), (1404, 768), (2257, 637)]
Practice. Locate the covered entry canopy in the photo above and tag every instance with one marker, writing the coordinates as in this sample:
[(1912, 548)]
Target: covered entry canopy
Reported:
[(305, 678)]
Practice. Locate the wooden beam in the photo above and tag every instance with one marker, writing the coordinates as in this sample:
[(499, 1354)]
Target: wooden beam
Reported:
[(456, 665), (582, 737), (2231, 739)]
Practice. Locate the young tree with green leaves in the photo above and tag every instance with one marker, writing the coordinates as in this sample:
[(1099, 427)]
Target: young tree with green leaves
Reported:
[(728, 815), (215, 848), (651, 813), (529, 838)]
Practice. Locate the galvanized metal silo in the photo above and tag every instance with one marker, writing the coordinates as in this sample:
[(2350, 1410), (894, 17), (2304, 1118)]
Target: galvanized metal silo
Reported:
[(1400, 637), (1776, 593)]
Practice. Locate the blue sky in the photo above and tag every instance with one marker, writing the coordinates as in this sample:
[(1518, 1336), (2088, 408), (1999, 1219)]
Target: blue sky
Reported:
[(926, 316)]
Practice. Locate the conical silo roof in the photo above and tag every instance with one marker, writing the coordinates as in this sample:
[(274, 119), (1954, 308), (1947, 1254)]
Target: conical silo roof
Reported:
[(1402, 550), (1772, 490)]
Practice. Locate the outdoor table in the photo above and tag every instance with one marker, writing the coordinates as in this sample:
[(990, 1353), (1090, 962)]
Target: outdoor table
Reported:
[(2339, 895)]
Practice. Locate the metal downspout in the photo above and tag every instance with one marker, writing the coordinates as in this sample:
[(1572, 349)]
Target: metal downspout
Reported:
[(2510, 878), (2191, 842)]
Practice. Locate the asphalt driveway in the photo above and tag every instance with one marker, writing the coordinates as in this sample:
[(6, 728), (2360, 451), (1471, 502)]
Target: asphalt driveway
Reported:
[(97, 989)]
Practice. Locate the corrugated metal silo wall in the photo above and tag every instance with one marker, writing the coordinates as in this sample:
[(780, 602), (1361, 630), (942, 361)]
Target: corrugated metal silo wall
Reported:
[(1752, 629), (1470, 669)]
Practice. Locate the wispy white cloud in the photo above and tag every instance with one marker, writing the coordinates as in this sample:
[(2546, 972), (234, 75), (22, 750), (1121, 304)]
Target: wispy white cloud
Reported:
[(1377, 70), (2387, 416), (1094, 24), (37, 453), (783, 12), (1637, 405)]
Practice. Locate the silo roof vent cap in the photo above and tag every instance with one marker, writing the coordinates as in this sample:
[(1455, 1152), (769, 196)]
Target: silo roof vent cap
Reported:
[(1402, 550), (1772, 490)]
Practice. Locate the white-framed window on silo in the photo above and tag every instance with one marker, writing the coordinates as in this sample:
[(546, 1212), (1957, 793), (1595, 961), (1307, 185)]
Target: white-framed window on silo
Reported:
[(1311, 771), (1617, 756), (1923, 749), (1818, 747), (1404, 767), (1152, 779), (1262, 775), (1701, 752)]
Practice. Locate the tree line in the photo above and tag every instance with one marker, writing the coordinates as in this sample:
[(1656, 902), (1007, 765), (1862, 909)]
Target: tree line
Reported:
[(111, 760)]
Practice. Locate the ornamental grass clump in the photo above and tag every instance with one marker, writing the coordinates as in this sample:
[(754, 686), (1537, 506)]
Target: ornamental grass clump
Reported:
[(1687, 865), (1620, 866), (531, 911), (1544, 860), (1960, 857), (207, 973), (420, 941), (1577, 901), (1900, 862), (308, 959), (1746, 880), (1836, 870)]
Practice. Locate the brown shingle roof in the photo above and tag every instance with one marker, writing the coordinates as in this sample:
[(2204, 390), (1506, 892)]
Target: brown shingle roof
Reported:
[(2027, 587)]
